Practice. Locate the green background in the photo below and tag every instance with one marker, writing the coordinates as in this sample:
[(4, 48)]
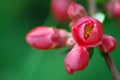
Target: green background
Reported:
[(18, 61)]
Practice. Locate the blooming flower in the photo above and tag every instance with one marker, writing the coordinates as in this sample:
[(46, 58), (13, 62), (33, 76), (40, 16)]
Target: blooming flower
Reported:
[(87, 32)]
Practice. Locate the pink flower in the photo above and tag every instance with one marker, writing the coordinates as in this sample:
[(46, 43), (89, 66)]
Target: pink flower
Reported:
[(87, 32), (43, 37), (113, 9), (75, 11), (108, 44), (77, 59), (59, 9)]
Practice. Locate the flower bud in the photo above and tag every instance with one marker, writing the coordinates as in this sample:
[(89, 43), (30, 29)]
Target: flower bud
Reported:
[(108, 44), (77, 59), (113, 9), (59, 10), (75, 11), (87, 32), (43, 37)]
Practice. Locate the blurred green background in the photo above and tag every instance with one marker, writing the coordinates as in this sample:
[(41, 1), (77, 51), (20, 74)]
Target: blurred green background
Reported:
[(18, 61)]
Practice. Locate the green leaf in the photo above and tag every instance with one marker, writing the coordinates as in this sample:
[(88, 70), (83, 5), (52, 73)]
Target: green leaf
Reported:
[(99, 16)]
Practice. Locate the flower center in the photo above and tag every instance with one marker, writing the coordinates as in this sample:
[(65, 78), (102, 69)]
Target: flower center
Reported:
[(88, 30)]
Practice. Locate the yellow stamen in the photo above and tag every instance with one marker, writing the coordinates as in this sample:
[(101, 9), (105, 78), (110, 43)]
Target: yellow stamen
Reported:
[(88, 30)]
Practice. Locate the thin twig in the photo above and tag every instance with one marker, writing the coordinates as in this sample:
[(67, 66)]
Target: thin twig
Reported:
[(113, 0), (91, 7), (112, 67)]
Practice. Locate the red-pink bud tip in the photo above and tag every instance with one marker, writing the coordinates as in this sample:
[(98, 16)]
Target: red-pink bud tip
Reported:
[(87, 32), (108, 44)]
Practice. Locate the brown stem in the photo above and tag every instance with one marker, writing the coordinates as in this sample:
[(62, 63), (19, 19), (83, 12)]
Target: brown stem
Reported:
[(112, 67), (113, 0), (91, 7)]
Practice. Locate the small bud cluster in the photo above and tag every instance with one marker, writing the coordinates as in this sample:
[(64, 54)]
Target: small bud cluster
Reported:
[(86, 32)]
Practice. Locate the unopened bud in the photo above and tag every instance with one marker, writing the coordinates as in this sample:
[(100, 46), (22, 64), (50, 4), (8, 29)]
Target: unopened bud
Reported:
[(59, 10), (113, 9), (76, 11), (108, 44), (77, 59), (43, 37)]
